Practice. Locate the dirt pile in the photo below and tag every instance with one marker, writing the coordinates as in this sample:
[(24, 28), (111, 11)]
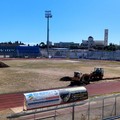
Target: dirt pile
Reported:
[(2, 65)]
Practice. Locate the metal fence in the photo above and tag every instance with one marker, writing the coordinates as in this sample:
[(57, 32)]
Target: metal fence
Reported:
[(96, 108)]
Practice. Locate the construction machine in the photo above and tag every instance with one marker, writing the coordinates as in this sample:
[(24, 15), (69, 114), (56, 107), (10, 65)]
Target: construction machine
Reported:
[(84, 79), (97, 74)]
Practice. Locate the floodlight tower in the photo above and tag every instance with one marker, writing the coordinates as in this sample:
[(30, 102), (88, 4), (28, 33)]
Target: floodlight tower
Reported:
[(48, 15)]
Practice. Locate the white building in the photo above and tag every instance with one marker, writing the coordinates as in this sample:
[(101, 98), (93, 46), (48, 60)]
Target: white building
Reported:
[(91, 42), (66, 44)]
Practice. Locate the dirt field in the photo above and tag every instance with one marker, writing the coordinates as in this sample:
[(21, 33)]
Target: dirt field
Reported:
[(36, 74), (30, 75)]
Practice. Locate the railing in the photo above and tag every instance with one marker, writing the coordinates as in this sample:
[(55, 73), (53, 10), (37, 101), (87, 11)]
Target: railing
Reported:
[(98, 108)]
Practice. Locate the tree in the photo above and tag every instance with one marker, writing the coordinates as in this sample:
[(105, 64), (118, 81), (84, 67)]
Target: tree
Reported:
[(9, 42), (43, 45), (111, 47)]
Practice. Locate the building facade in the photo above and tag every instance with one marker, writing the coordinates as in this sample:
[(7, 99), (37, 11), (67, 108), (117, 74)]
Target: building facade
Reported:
[(66, 44), (20, 51), (92, 43)]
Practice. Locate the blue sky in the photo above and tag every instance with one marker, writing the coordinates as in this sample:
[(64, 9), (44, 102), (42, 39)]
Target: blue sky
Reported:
[(72, 21)]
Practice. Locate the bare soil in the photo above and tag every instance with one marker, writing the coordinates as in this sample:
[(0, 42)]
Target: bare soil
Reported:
[(36, 74)]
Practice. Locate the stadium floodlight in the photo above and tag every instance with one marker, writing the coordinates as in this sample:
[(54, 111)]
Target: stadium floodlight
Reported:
[(48, 15)]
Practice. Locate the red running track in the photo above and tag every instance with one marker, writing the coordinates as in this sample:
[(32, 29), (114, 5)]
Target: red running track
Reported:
[(11, 100), (17, 99)]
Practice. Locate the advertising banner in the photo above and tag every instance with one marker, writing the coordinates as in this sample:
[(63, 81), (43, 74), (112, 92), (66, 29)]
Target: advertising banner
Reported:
[(42, 98), (54, 97)]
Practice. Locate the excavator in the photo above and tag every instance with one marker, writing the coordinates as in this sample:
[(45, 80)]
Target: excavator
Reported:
[(84, 79)]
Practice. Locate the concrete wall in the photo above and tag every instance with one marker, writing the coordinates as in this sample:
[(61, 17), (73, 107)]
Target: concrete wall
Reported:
[(82, 54)]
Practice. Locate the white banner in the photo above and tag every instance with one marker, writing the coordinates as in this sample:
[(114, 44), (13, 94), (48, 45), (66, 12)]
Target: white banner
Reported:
[(54, 97)]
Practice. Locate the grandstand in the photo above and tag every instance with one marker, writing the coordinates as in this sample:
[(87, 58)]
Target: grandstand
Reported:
[(20, 51)]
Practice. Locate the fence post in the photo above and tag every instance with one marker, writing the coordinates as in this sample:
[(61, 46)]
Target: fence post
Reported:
[(35, 114), (89, 110), (115, 104), (55, 113), (103, 109), (73, 111)]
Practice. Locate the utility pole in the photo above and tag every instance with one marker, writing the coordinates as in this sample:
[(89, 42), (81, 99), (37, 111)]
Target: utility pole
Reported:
[(48, 15)]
